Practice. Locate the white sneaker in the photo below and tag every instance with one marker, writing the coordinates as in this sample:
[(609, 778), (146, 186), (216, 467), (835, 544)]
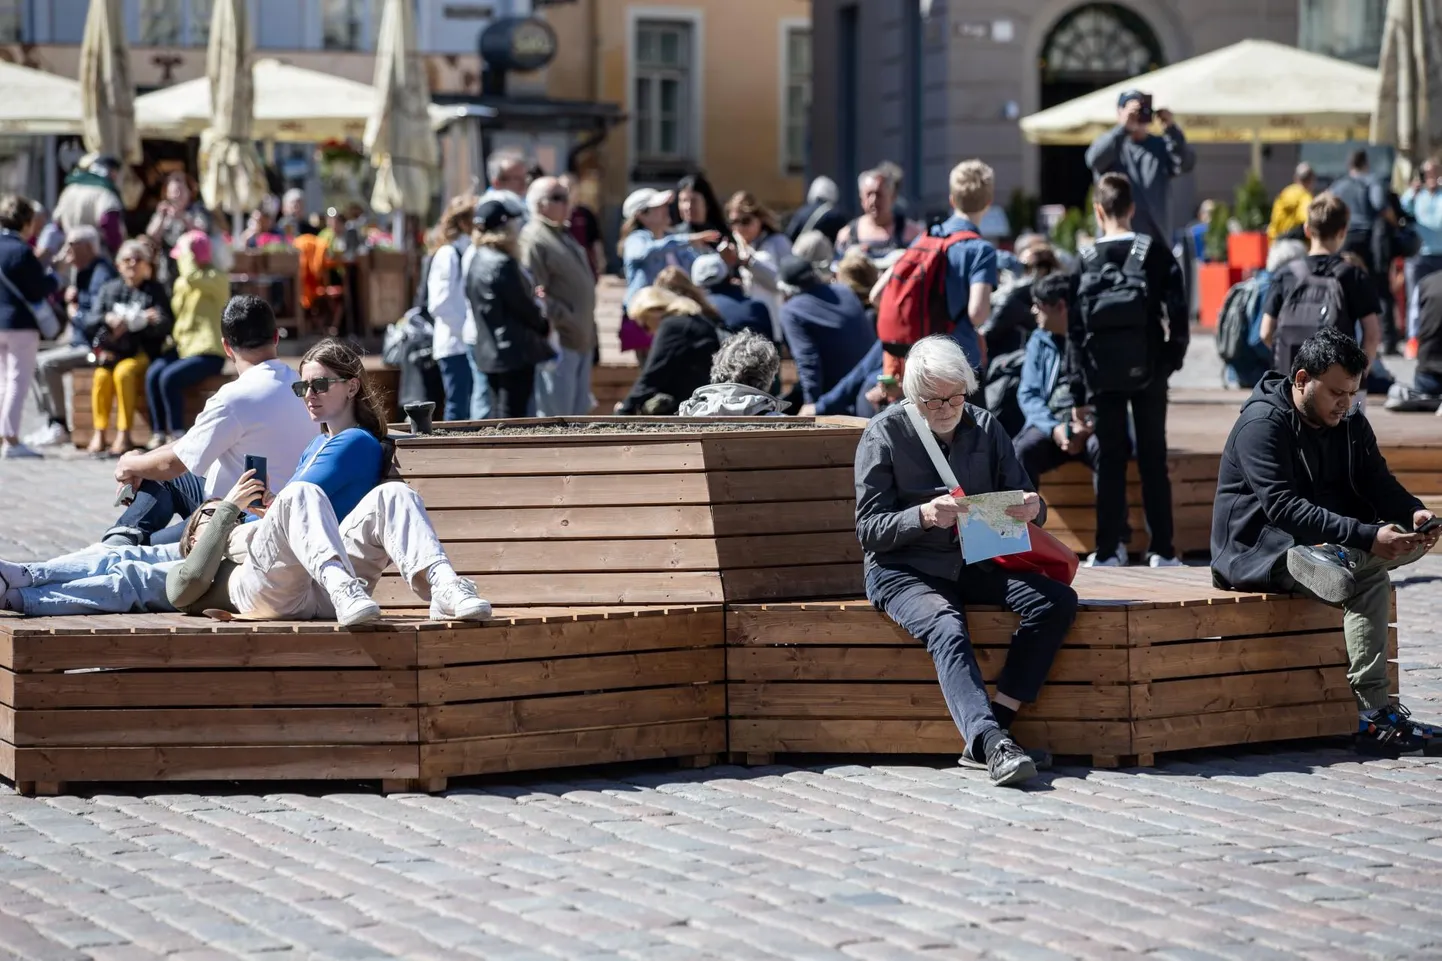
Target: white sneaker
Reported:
[(1119, 559), (51, 435), (458, 601), (1157, 560), (353, 605), (17, 452)]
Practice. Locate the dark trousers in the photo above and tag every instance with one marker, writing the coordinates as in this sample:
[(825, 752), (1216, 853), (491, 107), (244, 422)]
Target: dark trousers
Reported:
[(932, 610), (456, 375), (1149, 420), (511, 392), (166, 381), (148, 519), (1039, 453), (1426, 382)]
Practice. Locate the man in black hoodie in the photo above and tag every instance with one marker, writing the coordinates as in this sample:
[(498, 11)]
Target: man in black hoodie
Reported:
[(1305, 503)]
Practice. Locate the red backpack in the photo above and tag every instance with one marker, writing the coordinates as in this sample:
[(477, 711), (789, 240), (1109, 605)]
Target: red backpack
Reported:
[(913, 303)]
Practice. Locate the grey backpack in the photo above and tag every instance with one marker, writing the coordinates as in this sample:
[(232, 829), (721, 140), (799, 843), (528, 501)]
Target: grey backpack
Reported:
[(1314, 302)]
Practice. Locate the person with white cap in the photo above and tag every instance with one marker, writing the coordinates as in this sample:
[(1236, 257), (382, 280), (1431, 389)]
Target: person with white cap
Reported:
[(647, 249), (723, 288)]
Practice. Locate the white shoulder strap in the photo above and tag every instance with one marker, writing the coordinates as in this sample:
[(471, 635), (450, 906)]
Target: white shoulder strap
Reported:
[(933, 450)]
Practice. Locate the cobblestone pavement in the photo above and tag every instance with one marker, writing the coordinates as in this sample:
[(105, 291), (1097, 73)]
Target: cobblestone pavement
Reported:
[(1300, 852)]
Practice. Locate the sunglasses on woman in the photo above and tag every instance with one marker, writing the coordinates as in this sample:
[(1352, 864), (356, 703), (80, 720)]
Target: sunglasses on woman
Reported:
[(745, 220), (319, 385)]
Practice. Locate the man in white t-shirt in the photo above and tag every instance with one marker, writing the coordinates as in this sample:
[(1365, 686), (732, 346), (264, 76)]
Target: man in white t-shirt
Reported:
[(257, 413)]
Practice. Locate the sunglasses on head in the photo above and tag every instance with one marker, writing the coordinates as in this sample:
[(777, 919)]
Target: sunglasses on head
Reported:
[(745, 220), (320, 385), (207, 512)]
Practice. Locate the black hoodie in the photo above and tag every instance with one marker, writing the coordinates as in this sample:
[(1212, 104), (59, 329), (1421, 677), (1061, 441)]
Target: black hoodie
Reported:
[(1283, 483)]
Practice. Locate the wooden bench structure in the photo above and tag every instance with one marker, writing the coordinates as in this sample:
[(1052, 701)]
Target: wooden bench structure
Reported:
[(1157, 661)]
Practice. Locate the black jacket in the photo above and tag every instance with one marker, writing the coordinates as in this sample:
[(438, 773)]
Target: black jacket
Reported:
[(1282, 483), (510, 330), (149, 340), (679, 362), (19, 263)]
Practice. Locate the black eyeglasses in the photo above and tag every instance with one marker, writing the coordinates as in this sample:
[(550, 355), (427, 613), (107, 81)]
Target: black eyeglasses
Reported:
[(937, 403), (320, 385), (207, 512)]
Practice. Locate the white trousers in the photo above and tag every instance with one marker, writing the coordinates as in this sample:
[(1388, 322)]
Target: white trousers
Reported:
[(300, 534), (17, 367)]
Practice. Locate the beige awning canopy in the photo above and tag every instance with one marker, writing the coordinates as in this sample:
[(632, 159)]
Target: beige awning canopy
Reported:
[(291, 104), (36, 102), (1255, 91)]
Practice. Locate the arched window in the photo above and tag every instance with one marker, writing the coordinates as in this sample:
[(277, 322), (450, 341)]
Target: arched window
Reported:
[(1100, 40)]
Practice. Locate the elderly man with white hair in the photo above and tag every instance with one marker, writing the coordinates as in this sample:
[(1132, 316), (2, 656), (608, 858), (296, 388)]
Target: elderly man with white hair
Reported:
[(906, 520), (85, 255), (561, 269)]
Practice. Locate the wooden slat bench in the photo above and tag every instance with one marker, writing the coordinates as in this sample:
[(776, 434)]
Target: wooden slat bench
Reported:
[(1156, 661)]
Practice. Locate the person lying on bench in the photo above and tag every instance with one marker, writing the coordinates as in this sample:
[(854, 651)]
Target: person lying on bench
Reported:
[(1305, 502), (254, 414), (906, 522), (300, 562), (345, 462)]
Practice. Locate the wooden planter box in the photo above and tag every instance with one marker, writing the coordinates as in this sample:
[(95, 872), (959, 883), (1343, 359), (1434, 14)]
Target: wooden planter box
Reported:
[(1213, 282), (1070, 494), (386, 290), (642, 517), (1154, 662), (1247, 250)]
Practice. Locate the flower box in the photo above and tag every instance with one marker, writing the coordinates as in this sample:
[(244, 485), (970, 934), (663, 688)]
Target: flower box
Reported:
[(1247, 250)]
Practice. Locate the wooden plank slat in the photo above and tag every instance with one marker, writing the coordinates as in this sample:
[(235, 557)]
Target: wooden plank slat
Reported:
[(378, 649), (475, 645), (863, 624), (541, 715), (597, 490), (796, 517), (1090, 665), (816, 580), (778, 699), (1270, 689), (512, 558), (571, 748), (763, 450), (132, 727), (214, 689), (572, 523), (1238, 655), (521, 590), (1244, 727), (1270, 617), (275, 762), (511, 460), (510, 680), (916, 737)]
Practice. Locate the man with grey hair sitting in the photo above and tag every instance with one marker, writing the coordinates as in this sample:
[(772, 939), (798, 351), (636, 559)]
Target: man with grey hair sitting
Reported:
[(906, 520), (742, 374)]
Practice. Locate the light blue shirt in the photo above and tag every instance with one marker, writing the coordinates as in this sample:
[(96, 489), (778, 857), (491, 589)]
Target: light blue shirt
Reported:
[(645, 255), (1424, 207)]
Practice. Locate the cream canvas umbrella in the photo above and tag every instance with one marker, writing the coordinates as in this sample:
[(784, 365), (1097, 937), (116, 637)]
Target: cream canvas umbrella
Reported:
[(399, 137), (292, 105), (1408, 112), (107, 97), (36, 102), (232, 177), (1252, 92)]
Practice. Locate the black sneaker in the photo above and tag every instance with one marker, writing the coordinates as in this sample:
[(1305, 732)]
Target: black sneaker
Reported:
[(1325, 570), (1039, 756), (1387, 732), (1395, 715), (1009, 764)]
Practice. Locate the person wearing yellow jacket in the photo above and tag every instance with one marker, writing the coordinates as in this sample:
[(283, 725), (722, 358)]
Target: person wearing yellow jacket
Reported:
[(1289, 210), (195, 352)]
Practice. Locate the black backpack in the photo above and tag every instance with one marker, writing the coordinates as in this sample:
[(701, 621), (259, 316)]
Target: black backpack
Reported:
[(1003, 384), (1115, 314), (1315, 301)]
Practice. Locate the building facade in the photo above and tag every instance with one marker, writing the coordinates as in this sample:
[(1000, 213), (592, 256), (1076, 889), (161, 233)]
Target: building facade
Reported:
[(927, 83), (722, 86)]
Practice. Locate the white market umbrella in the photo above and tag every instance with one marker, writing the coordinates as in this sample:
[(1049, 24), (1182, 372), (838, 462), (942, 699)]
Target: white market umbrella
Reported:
[(232, 175), (399, 135), (107, 96), (1408, 106), (36, 102), (1255, 92), (292, 105)]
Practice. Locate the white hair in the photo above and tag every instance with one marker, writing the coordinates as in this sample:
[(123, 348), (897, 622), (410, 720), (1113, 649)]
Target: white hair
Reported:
[(823, 190), (936, 367), (538, 191), (1283, 252), (84, 234), (497, 163), (294, 193), (873, 174)]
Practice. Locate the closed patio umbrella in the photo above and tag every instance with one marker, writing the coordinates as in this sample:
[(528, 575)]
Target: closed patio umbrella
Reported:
[(1408, 114), (37, 102), (399, 135), (232, 175), (107, 96)]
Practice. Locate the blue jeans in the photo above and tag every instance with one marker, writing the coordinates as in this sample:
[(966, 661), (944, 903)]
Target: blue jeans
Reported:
[(98, 580), (456, 376), (564, 390), (148, 519), (932, 610), (480, 389), (1427, 382), (165, 384)]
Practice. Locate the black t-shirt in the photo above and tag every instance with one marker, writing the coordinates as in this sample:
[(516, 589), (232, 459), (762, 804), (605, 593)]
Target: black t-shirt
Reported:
[(1357, 291)]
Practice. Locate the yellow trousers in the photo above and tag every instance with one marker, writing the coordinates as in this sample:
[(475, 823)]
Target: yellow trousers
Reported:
[(124, 386)]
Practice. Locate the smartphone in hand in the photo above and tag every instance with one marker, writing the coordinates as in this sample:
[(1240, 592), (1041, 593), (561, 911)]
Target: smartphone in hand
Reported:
[(257, 463), (1429, 526)]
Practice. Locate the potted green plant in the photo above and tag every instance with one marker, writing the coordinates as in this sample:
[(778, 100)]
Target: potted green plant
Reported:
[(1247, 249), (1063, 235), (1215, 275)]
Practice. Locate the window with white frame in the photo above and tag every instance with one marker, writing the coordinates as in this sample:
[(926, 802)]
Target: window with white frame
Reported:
[(343, 24), (12, 21), (663, 126), (796, 102), (175, 23)]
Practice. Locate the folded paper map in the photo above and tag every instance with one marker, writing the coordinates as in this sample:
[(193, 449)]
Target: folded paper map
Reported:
[(987, 530)]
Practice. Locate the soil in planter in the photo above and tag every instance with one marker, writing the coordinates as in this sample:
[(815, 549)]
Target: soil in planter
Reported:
[(696, 426)]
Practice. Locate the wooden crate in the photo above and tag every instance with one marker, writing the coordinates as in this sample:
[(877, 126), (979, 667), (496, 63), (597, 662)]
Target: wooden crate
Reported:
[(642, 518), (556, 689), (161, 697), (1156, 661)]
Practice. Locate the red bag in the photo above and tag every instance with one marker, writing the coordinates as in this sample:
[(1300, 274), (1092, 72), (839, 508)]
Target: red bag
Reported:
[(913, 302), (1048, 556)]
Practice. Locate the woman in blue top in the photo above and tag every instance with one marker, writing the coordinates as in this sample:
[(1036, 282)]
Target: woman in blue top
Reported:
[(647, 249)]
